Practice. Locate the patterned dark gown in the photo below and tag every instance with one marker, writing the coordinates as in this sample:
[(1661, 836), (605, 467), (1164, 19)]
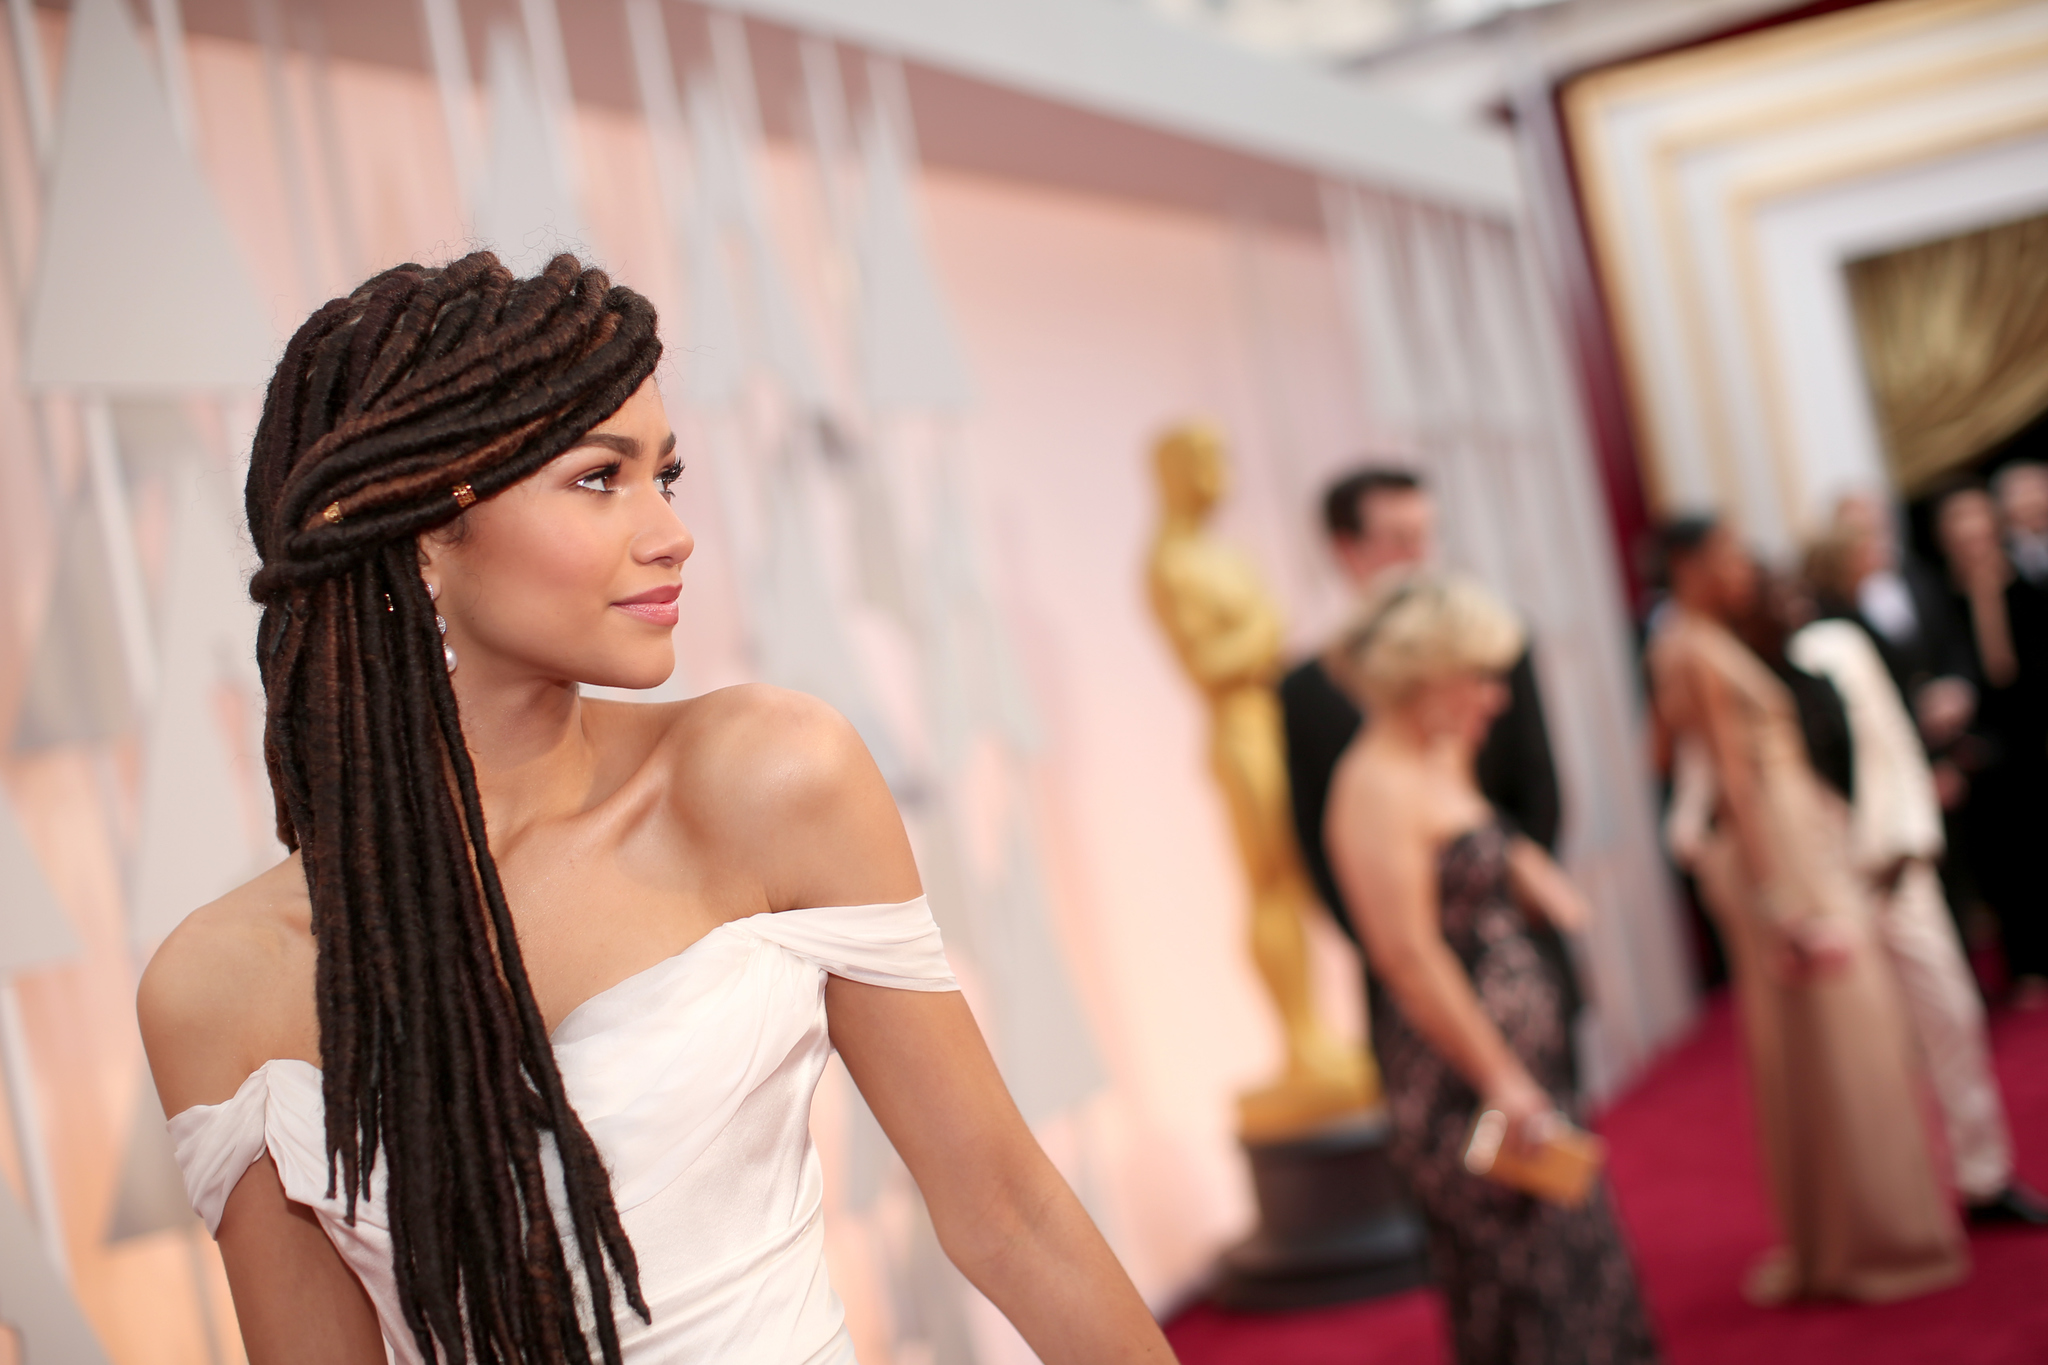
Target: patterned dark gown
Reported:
[(1525, 1282)]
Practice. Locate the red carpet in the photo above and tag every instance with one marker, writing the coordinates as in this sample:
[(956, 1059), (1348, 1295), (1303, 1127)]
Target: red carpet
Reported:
[(1685, 1175)]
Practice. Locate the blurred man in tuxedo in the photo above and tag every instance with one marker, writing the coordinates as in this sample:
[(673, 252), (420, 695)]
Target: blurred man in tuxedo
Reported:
[(1381, 522), (2022, 492), (1908, 611), (2005, 753)]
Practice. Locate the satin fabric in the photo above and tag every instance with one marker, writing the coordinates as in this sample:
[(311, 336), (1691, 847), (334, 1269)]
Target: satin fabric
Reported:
[(694, 1078)]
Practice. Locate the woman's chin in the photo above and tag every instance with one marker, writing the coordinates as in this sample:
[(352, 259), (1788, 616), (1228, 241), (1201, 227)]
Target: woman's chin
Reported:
[(635, 675)]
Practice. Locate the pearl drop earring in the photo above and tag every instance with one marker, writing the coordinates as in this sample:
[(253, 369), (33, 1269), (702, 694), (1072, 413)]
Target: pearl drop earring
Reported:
[(441, 624)]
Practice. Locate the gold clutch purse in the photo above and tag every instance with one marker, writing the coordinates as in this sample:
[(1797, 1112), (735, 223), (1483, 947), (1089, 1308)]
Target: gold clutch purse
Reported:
[(1562, 1170)]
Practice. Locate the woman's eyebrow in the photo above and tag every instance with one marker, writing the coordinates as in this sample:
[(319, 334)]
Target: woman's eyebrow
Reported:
[(620, 445), (626, 446)]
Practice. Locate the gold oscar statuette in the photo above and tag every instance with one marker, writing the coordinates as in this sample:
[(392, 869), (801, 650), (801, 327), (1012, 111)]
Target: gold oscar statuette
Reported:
[(1226, 630)]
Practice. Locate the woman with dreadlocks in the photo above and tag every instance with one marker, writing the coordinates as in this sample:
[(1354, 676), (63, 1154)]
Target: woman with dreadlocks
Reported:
[(528, 1023)]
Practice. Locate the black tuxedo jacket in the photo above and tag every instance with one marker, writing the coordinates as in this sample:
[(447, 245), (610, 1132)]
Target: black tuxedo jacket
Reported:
[(1941, 646)]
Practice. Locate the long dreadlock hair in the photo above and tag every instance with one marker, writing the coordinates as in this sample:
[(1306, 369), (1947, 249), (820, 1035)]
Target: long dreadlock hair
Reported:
[(392, 410)]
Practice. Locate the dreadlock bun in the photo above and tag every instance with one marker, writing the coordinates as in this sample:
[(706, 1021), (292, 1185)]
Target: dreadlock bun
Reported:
[(425, 380)]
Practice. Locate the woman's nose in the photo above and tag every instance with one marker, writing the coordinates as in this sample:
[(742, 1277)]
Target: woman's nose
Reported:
[(664, 539)]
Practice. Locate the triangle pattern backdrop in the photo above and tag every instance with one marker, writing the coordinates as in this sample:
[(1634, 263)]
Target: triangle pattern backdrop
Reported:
[(34, 1302), (726, 123), (140, 285), (77, 687), (150, 1197), (195, 843), (34, 930), (527, 209), (907, 343)]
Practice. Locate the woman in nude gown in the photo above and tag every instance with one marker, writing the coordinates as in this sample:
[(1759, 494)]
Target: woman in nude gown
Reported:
[(1832, 1068)]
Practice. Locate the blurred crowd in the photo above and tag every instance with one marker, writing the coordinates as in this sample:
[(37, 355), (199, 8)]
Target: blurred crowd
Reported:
[(1962, 635), (1856, 754)]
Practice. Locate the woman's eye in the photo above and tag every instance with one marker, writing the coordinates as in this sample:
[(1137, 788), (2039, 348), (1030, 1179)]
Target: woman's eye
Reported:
[(667, 479), (599, 480)]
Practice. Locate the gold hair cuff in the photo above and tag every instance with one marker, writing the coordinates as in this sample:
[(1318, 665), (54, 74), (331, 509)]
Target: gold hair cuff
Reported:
[(464, 495), (332, 512)]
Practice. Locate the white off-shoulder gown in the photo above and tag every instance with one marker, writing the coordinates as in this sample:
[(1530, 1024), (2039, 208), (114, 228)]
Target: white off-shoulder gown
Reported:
[(694, 1078)]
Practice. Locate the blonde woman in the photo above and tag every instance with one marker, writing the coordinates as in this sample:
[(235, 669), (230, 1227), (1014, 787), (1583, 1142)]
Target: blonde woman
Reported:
[(1466, 1009)]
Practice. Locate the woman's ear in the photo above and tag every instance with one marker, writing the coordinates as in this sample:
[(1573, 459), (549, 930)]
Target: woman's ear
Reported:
[(434, 545)]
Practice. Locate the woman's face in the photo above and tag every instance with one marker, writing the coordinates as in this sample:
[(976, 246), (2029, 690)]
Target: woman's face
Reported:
[(1735, 573), (1462, 706), (1790, 601), (1868, 556), (1967, 526), (572, 575)]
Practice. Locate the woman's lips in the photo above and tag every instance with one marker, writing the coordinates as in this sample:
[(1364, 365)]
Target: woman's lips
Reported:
[(656, 606)]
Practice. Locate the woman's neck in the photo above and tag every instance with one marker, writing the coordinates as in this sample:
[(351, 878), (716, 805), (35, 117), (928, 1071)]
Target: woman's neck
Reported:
[(527, 741), (1400, 732), (1701, 603)]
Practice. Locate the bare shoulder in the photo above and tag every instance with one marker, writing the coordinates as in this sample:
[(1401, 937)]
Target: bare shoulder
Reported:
[(231, 988), (783, 782), (743, 725), (1367, 791), (1681, 676), (1379, 828), (1674, 650), (761, 749)]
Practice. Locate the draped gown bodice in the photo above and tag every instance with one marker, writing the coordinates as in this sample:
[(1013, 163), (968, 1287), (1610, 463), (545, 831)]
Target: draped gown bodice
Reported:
[(694, 1078)]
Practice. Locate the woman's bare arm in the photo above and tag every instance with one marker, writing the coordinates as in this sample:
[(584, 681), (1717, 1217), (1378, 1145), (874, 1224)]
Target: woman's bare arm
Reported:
[(1541, 885), (1002, 1212), (296, 1299), (1734, 772), (1385, 861), (218, 1000)]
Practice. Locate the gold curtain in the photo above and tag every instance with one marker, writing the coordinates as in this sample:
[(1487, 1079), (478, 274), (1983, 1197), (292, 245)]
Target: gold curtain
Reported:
[(1955, 340)]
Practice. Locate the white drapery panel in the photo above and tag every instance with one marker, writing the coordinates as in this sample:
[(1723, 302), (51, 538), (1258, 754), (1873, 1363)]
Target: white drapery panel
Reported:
[(1462, 364)]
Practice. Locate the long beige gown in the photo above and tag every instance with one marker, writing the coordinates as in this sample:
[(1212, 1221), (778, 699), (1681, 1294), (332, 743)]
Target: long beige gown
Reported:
[(1831, 1058)]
